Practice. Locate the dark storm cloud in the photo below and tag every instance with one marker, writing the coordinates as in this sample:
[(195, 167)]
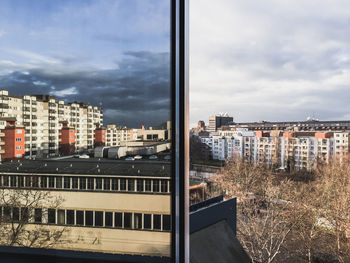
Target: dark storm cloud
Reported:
[(136, 93)]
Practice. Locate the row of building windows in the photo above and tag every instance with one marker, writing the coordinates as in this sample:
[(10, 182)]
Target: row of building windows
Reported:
[(87, 183), (87, 218)]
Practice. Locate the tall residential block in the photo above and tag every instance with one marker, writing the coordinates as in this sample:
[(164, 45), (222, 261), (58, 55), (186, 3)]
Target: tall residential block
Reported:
[(43, 116), (217, 121), (13, 140)]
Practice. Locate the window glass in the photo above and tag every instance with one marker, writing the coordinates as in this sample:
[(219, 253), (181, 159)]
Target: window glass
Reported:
[(75, 182), (164, 186), (131, 183), (147, 221), (38, 215), (89, 218), (155, 185), (118, 218), (115, 184), (122, 184), (70, 217), (82, 183), (66, 182), (137, 221), (80, 217), (59, 181), (106, 184), (148, 185), (15, 214), (51, 182), (157, 222), (98, 183), (140, 185), (52, 216), (127, 220), (166, 222), (108, 219), (61, 217), (90, 183), (98, 218)]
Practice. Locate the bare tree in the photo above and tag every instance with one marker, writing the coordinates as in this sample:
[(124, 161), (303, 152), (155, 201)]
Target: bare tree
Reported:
[(23, 218)]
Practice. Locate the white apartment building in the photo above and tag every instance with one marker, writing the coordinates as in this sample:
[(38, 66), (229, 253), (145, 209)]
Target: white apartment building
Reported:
[(116, 135), (42, 117), (297, 150)]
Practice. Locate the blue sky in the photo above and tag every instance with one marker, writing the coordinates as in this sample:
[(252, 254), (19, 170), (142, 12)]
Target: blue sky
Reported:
[(114, 51), (270, 60)]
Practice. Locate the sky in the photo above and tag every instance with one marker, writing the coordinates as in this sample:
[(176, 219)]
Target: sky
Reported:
[(272, 60), (109, 53)]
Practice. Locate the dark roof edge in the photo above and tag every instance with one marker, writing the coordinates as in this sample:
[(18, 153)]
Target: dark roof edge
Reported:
[(206, 216), (81, 255)]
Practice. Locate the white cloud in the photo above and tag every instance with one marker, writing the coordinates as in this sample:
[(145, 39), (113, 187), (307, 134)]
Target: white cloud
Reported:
[(274, 59), (39, 83), (65, 92)]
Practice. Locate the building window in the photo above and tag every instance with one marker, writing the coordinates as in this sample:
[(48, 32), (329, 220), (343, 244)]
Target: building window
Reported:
[(147, 221), (89, 218), (75, 182), (98, 218), (90, 183), (118, 219), (82, 183), (164, 186), (18, 147), (37, 215), (43, 182), (98, 183), (51, 182), (131, 185), (148, 186), (61, 217), (157, 222), (15, 214), (108, 219), (115, 184), (137, 221), (19, 131), (80, 218), (156, 185), (67, 182), (70, 217), (59, 182), (52, 216), (106, 184), (139, 185), (18, 139), (166, 222), (127, 220), (122, 184)]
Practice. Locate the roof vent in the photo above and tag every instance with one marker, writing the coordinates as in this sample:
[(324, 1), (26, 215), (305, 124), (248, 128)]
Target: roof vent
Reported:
[(163, 167), (132, 166), (57, 169), (17, 168), (20, 164), (45, 164), (71, 165), (138, 171), (97, 166), (98, 170)]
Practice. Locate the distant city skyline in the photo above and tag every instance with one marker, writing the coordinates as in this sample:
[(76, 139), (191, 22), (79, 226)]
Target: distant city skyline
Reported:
[(110, 52), (270, 60)]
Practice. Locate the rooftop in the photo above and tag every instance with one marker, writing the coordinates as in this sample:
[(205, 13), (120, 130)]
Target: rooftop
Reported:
[(93, 166)]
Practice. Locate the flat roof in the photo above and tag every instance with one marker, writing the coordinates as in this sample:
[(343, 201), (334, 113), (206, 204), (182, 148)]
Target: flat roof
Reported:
[(92, 166)]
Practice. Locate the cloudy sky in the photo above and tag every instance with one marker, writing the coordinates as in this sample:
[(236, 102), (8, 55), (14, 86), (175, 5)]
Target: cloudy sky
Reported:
[(270, 60), (114, 52)]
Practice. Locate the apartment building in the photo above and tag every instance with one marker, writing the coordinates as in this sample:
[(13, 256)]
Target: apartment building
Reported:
[(299, 150), (119, 208), (115, 135), (216, 121), (43, 116)]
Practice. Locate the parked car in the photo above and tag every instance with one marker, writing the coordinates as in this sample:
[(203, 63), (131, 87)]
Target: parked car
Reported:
[(153, 157), (137, 157), (129, 159), (84, 156), (167, 157)]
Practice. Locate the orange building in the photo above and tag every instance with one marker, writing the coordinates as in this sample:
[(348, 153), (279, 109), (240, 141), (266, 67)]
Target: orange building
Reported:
[(100, 136), (14, 141), (323, 135), (67, 140)]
